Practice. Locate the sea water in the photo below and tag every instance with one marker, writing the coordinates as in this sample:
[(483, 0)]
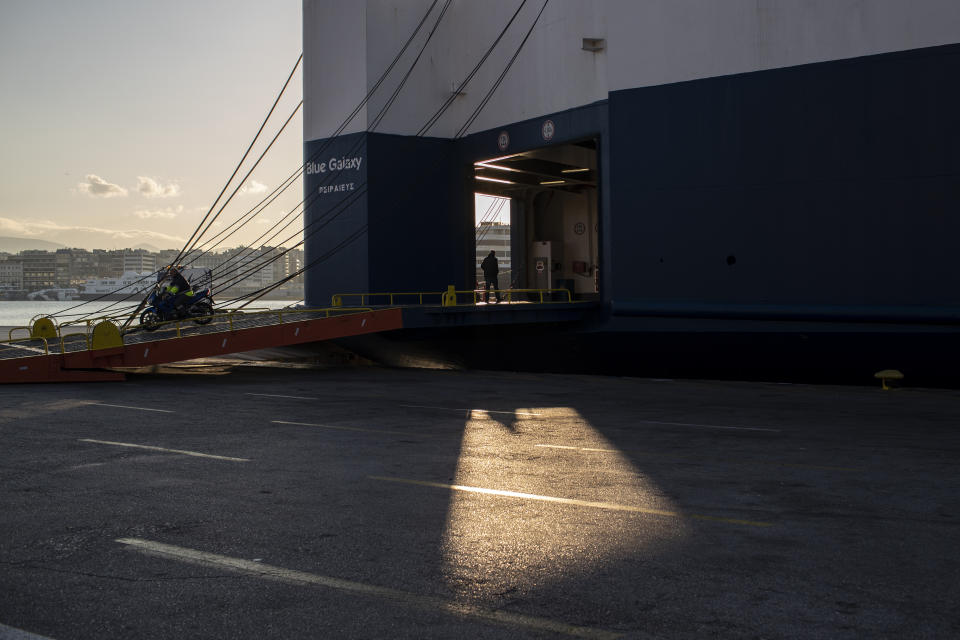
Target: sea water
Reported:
[(18, 313)]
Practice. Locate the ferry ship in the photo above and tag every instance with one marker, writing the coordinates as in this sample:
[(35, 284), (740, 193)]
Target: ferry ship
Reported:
[(736, 188), (128, 285), (54, 294)]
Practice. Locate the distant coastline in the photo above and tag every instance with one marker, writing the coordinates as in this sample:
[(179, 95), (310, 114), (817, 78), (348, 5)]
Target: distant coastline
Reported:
[(10, 244)]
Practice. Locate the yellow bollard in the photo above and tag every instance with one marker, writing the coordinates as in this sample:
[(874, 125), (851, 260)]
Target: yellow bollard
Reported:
[(450, 297), (888, 374), (43, 328), (106, 335)]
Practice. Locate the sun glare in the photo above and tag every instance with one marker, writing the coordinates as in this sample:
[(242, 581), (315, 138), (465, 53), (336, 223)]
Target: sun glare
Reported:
[(508, 525)]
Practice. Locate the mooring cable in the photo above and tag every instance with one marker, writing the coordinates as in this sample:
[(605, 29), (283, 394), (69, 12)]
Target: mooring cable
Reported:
[(296, 173), (483, 103)]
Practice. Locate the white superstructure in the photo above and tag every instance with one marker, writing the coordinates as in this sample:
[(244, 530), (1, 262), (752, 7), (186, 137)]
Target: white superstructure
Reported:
[(130, 282), (347, 45)]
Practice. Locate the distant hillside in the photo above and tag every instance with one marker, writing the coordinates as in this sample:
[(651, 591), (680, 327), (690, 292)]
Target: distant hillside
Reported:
[(13, 245)]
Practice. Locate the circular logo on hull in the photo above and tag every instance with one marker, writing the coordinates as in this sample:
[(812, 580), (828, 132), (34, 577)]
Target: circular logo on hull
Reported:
[(503, 140), (547, 130)]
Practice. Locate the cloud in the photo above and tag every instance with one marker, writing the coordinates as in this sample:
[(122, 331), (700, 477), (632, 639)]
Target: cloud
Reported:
[(169, 212), (99, 188), (253, 187), (80, 236), (150, 188)]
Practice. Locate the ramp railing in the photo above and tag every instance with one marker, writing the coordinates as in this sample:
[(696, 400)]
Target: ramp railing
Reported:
[(24, 347), (46, 337), (453, 297)]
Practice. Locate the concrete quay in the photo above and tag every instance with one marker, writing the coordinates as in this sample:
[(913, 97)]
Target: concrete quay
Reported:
[(223, 500)]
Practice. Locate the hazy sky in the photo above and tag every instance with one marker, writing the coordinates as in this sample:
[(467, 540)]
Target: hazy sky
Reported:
[(120, 120)]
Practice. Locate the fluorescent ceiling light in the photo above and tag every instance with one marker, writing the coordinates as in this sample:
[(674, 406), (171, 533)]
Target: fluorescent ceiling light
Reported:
[(574, 170), (512, 155), (496, 166), (551, 182), (486, 179)]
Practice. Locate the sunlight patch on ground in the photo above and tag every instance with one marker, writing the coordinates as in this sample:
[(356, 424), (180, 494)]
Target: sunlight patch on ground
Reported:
[(496, 544)]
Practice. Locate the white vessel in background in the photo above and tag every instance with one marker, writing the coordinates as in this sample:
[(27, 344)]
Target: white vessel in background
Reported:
[(54, 295), (128, 285)]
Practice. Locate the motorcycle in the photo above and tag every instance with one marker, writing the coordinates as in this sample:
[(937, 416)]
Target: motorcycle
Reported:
[(162, 306)]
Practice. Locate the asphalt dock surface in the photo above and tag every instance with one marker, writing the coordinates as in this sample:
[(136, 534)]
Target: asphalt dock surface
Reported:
[(262, 502)]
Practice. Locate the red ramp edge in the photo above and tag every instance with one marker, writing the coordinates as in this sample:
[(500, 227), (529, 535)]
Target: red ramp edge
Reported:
[(83, 365), (49, 368), (225, 342)]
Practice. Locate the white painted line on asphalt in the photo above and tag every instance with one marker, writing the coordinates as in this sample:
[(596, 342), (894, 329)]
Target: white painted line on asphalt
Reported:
[(275, 395), (560, 446), (195, 454), (707, 426), (611, 506), (123, 406), (682, 459), (82, 466), (289, 576), (344, 428), (12, 633), (512, 413)]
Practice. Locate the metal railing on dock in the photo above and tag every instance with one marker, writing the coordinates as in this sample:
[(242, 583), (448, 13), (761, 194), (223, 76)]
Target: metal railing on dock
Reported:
[(452, 297)]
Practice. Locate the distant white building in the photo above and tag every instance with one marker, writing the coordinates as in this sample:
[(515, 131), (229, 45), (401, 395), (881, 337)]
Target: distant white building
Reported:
[(139, 260), (11, 274)]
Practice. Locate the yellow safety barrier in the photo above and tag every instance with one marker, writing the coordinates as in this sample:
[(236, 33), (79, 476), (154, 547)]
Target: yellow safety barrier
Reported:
[(44, 328), (106, 335), (89, 325), (450, 297)]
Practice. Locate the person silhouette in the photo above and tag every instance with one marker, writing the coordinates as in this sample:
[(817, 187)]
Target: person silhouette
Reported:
[(491, 269)]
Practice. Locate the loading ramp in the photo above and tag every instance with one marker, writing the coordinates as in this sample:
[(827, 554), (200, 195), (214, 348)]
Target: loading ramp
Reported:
[(51, 354), (95, 349)]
